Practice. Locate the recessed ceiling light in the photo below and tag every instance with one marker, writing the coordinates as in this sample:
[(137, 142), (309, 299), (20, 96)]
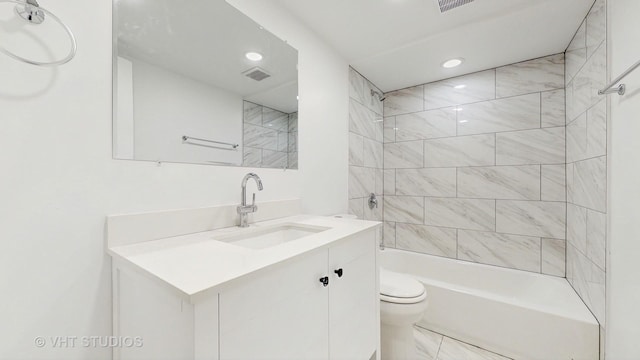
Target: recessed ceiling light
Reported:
[(253, 56), (461, 86), (452, 63), (463, 121), (458, 109)]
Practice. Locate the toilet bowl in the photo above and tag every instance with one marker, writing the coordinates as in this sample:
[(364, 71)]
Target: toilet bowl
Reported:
[(403, 301)]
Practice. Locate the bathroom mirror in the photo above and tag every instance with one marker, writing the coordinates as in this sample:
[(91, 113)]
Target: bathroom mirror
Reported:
[(197, 81)]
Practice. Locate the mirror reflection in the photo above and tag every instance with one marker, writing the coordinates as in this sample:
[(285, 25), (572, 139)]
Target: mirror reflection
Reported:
[(197, 81)]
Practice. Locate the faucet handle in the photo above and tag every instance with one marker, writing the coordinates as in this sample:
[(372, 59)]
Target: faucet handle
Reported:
[(253, 202)]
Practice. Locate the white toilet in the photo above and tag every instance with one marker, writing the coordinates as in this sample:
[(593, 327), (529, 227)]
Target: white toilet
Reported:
[(403, 301)]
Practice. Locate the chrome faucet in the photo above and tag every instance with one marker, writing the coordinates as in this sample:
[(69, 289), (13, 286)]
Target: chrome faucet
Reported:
[(243, 208)]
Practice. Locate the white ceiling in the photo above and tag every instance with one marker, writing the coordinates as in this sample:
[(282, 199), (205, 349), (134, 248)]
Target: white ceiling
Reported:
[(400, 43), (207, 40)]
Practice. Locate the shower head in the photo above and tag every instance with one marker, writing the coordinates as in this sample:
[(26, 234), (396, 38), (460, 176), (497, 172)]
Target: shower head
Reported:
[(379, 95)]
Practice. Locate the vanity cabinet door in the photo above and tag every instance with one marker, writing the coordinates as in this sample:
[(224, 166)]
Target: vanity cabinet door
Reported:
[(353, 307), (279, 314)]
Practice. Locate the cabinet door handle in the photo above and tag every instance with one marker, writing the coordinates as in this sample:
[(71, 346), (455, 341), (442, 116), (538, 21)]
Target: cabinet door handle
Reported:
[(338, 272), (324, 281)]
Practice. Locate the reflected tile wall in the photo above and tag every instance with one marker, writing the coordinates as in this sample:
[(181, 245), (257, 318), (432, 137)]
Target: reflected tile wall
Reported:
[(270, 137), (586, 170), (274, 159), (367, 131), (474, 167), (252, 113)]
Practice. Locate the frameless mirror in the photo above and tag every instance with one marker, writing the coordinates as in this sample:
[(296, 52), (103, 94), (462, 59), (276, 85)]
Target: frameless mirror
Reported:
[(197, 81)]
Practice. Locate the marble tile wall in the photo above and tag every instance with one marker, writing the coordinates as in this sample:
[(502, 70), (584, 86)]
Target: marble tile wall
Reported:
[(270, 137), (366, 152), (474, 167), (586, 146)]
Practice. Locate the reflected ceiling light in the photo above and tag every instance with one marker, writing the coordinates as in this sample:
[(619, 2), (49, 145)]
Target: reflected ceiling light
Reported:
[(452, 63), (463, 121), (461, 86), (458, 109), (253, 56)]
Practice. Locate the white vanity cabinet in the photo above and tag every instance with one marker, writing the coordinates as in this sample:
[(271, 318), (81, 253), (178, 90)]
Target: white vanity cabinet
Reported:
[(281, 312), (288, 313), (353, 299)]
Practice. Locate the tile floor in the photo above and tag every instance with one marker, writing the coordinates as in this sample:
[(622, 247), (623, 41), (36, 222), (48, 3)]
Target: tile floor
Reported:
[(433, 346)]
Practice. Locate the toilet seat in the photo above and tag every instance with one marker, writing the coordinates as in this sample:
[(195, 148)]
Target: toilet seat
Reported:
[(400, 288)]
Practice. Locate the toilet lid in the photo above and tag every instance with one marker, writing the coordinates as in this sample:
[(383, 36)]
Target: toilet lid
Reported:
[(400, 288)]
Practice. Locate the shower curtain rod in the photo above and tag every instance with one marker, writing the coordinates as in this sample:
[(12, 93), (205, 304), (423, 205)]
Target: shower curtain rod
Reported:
[(622, 88)]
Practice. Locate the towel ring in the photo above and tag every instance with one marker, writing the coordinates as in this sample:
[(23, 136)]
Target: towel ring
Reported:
[(30, 11)]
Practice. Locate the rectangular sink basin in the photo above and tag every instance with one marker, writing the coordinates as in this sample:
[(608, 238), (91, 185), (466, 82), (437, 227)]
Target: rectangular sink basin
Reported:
[(258, 238)]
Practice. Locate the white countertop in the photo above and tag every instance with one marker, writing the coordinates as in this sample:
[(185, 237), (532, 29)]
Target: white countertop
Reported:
[(196, 264)]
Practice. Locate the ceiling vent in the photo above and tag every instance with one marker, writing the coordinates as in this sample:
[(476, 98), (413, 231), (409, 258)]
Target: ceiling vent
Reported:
[(256, 73), (446, 5)]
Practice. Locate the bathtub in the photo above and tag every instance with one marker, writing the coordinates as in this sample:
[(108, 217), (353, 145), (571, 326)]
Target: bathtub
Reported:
[(515, 313)]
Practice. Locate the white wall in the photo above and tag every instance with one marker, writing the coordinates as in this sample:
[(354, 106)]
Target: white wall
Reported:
[(58, 180), (168, 105), (623, 286), (123, 123)]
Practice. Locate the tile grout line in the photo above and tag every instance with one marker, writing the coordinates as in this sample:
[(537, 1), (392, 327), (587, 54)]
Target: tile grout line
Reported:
[(546, 236), (477, 134), (566, 184), (481, 166), (495, 149), (541, 109), (495, 83), (457, 245), (541, 257), (439, 347), (541, 182), (493, 198), (494, 99), (495, 216)]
